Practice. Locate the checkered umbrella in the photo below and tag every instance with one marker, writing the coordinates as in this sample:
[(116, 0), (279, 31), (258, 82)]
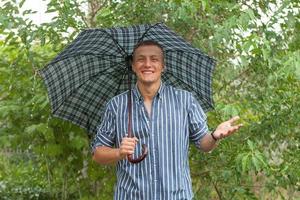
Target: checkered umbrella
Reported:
[(93, 69)]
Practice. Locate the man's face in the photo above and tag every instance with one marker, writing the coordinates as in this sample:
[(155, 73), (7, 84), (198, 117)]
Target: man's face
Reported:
[(148, 64)]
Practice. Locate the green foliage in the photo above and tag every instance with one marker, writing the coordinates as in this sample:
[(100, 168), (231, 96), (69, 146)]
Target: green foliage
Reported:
[(257, 76)]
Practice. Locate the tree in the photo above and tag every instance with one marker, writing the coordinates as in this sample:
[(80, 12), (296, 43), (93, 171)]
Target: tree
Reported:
[(256, 44)]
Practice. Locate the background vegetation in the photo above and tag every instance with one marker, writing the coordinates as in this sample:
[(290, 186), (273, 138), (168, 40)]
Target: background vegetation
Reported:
[(256, 44)]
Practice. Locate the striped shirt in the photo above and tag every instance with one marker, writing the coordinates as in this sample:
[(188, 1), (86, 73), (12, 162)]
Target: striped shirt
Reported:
[(176, 119)]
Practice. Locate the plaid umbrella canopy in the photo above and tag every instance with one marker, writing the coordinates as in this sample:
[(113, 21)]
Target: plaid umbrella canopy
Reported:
[(93, 69)]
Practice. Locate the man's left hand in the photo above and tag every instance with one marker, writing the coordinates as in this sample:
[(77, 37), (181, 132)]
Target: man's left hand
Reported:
[(227, 128)]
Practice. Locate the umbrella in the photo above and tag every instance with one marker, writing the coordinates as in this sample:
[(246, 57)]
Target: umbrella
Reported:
[(94, 67)]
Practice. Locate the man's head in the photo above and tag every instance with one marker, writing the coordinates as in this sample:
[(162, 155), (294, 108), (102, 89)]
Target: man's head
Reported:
[(148, 62), (148, 43)]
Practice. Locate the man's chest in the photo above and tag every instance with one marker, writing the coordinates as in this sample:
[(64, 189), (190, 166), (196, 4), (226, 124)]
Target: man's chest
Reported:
[(159, 119)]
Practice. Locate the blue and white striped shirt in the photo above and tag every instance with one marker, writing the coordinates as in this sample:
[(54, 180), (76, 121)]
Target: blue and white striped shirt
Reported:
[(176, 118)]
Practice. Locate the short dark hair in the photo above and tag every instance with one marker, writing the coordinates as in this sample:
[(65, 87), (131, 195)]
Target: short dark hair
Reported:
[(148, 43)]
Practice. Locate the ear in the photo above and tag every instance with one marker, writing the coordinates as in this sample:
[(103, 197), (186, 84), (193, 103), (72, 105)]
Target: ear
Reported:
[(132, 68)]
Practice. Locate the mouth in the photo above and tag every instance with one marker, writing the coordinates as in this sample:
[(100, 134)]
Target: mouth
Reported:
[(147, 72)]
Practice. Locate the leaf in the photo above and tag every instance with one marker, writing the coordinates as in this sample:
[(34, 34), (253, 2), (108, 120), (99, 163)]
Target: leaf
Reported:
[(4, 70), (251, 145), (53, 149), (260, 157), (104, 12), (250, 14), (245, 163), (9, 109), (297, 72), (78, 142), (244, 61), (27, 12), (9, 37), (43, 40), (36, 127), (42, 128), (50, 10), (256, 163), (21, 3), (229, 111), (204, 4)]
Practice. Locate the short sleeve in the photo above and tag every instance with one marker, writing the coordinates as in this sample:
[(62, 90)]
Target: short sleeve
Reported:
[(106, 130), (197, 121)]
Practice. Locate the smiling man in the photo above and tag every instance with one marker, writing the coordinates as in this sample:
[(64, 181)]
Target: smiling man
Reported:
[(166, 119)]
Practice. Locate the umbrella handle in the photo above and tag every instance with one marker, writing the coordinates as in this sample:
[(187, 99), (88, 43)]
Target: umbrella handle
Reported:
[(145, 149), (141, 157)]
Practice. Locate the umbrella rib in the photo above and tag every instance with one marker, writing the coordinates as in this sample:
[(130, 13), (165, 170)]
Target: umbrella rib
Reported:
[(147, 30), (120, 82), (81, 54), (115, 41)]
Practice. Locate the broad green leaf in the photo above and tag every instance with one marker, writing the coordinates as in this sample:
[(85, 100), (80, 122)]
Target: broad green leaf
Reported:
[(260, 157), (256, 163), (53, 149), (251, 145), (245, 163)]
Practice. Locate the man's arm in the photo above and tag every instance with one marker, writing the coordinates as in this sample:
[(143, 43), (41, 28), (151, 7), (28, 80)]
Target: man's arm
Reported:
[(225, 129), (207, 143), (107, 155)]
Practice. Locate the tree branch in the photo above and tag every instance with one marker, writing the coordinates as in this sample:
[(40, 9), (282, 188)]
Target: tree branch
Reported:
[(217, 190), (83, 18), (94, 7)]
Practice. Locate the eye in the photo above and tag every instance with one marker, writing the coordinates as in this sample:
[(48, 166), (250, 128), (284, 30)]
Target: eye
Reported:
[(140, 59)]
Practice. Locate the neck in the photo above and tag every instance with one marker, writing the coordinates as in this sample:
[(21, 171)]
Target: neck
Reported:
[(148, 91)]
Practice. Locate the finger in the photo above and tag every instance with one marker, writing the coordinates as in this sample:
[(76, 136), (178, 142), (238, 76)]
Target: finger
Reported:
[(233, 119), (128, 144), (128, 147), (237, 126), (234, 129), (133, 139), (129, 140), (127, 152)]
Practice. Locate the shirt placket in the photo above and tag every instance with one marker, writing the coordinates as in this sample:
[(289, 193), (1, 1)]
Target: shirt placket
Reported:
[(155, 146), (153, 150)]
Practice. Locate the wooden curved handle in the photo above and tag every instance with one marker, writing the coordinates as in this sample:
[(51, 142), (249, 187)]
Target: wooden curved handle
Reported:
[(145, 149), (141, 157)]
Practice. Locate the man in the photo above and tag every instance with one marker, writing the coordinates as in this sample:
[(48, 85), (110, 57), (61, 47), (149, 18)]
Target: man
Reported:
[(166, 119)]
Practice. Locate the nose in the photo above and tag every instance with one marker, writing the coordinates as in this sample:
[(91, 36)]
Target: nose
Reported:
[(148, 62)]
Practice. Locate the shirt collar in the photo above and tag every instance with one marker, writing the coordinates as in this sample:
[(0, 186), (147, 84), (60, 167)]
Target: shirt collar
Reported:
[(159, 93)]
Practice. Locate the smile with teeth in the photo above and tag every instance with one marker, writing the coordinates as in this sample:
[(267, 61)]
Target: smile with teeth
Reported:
[(147, 72)]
